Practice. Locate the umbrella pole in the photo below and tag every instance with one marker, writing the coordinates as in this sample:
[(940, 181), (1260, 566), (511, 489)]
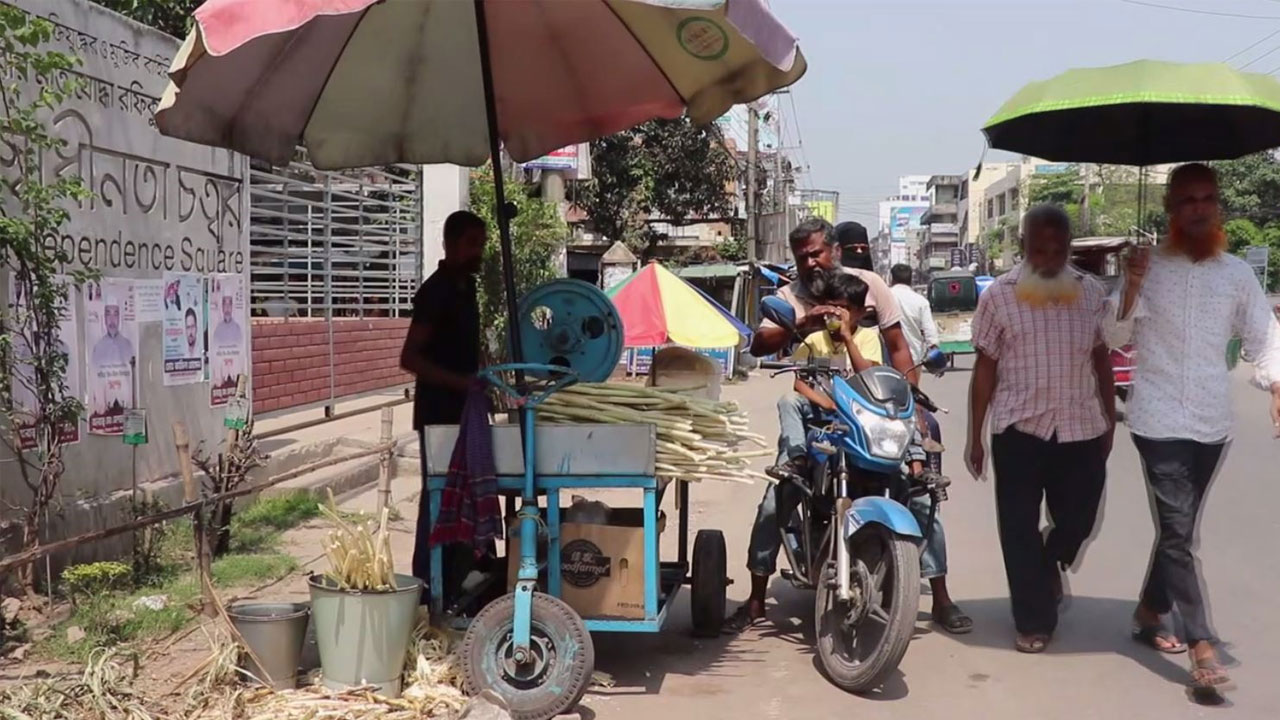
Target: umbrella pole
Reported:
[(499, 194)]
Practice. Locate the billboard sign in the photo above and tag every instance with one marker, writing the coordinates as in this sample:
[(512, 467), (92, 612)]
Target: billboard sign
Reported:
[(1052, 168), (904, 221), (566, 158)]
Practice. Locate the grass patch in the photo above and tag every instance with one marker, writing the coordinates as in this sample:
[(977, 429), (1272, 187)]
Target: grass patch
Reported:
[(280, 512), (113, 619), (246, 569), (258, 527)]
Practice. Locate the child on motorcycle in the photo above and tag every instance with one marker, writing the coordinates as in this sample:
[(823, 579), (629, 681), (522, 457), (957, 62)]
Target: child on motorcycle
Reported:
[(847, 296)]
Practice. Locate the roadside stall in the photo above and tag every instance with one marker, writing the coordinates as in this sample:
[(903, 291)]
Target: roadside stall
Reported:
[(464, 83)]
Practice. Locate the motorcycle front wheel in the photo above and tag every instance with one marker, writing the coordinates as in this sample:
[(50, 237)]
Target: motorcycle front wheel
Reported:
[(861, 641)]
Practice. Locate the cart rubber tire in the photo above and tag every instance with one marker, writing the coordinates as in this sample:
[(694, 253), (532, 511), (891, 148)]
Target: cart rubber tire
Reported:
[(1122, 392), (566, 676), (710, 570), (903, 556)]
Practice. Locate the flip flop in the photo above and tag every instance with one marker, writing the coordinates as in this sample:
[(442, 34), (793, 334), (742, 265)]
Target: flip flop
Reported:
[(1031, 644), (1209, 675), (952, 619), (740, 621), (1152, 635)]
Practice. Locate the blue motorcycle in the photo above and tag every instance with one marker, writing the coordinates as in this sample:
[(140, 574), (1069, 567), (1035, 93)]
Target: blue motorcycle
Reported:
[(851, 536)]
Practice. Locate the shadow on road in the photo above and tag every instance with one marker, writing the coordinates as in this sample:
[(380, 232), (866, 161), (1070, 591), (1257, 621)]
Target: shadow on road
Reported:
[(1088, 625)]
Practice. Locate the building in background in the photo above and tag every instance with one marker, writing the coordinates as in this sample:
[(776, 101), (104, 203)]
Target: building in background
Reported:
[(939, 233)]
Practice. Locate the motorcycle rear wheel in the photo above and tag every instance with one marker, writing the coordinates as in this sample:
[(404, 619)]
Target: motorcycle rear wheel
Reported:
[(858, 656)]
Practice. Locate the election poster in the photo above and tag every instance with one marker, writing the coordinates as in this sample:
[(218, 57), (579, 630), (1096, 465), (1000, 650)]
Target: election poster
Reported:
[(23, 381), (183, 329), (110, 335), (228, 342)]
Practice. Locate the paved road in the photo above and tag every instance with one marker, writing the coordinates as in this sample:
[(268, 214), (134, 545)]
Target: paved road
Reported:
[(1092, 670)]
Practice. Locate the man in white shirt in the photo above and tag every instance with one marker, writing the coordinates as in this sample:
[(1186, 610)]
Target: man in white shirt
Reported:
[(917, 317), (1181, 304)]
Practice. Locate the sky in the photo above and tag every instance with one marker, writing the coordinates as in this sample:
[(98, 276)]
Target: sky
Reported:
[(902, 87)]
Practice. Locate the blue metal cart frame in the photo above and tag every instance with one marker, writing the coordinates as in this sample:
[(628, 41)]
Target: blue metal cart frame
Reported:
[(662, 580)]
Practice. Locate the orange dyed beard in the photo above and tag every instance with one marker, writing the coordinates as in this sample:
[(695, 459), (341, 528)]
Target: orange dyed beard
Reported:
[(1038, 291), (1195, 248)]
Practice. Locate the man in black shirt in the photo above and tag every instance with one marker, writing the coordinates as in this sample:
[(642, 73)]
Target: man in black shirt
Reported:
[(442, 349)]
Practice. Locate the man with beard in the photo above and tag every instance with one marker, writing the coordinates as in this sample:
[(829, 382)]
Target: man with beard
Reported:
[(814, 246), (1043, 374), (442, 350), (1181, 305)]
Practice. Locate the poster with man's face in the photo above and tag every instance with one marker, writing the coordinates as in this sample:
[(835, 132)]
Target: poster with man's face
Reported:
[(183, 329), (111, 336), (23, 381), (228, 339)]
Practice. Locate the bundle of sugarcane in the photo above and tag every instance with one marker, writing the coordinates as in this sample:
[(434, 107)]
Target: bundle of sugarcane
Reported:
[(359, 551), (698, 439)]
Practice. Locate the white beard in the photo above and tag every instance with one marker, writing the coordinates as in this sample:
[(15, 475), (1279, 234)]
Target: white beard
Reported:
[(1038, 290)]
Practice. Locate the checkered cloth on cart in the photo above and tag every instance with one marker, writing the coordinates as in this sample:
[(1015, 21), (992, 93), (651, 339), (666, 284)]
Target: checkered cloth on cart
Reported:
[(469, 508)]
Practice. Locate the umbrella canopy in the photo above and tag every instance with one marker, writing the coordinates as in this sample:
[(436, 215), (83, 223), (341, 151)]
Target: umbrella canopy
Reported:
[(372, 82), (658, 308), (1141, 113)]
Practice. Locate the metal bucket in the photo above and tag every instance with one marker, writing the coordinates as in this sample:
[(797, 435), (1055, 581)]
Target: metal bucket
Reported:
[(274, 631), (363, 636)]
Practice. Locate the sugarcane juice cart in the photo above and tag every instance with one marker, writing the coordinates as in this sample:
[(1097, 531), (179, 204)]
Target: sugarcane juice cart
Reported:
[(530, 646)]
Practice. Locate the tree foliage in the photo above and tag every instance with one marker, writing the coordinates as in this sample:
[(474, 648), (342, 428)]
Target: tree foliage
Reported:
[(669, 171), (538, 237), (33, 207), (1250, 190), (169, 16)]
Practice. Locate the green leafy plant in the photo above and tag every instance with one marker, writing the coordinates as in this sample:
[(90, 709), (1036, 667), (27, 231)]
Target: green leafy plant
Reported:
[(537, 238), (35, 207), (84, 583)]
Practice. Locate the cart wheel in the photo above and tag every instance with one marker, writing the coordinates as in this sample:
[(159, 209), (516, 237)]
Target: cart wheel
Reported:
[(552, 682), (710, 570)]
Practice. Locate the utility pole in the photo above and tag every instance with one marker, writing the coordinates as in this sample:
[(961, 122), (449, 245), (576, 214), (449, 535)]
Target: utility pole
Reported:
[(753, 212), (1084, 204), (779, 183)]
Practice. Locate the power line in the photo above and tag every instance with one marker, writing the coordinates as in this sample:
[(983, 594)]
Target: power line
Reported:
[(1263, 55), (1200, 12), (1256, 44)]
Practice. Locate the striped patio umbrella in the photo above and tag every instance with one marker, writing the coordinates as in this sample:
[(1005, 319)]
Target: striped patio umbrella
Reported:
[(659, 308)]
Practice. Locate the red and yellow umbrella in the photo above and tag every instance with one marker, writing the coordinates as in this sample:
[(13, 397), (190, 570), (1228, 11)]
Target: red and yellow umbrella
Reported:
[(658, 308)]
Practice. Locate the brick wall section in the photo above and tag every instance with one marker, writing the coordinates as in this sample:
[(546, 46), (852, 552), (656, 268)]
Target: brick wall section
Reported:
[(291, 359)]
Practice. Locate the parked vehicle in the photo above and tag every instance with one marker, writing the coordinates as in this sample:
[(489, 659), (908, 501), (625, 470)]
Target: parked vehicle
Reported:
[(852, 538), (953, 298), (1101, 257)]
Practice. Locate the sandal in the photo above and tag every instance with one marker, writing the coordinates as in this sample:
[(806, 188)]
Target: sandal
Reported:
[(740, 621), (952, 619), (1159, 639), (1031, 644), (1208, 674)]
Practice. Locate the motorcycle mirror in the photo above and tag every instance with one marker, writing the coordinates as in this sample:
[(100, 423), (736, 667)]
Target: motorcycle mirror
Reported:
[(779, 312), (935, 361)]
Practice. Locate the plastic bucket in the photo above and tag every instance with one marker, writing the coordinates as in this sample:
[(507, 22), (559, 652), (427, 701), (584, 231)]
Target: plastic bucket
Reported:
[(275, 632), (363, 636)]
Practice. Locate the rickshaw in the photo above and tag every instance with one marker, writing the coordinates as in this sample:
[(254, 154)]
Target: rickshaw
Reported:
[(1102, 257), (953, 298)]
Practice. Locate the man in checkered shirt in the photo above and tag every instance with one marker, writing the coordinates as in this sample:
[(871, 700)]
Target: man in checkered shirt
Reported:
[(1043, 378)]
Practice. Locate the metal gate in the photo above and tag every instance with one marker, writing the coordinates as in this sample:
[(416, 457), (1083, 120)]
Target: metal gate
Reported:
[(335, 258)]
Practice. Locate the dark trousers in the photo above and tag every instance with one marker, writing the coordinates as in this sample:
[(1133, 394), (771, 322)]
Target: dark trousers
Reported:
[(1178, 473), (1068, 478)]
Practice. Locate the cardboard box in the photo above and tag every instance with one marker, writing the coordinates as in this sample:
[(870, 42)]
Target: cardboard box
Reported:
[(601, 566)]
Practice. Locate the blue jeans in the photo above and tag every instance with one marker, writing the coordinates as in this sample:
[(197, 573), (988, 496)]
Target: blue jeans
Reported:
[(794, 411)]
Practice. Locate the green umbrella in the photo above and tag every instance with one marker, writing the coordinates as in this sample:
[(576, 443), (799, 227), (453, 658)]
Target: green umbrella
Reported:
[(1146, 112)]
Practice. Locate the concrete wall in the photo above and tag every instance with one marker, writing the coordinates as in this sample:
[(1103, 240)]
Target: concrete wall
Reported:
[(159, 205), (291, 360), (445, 189)]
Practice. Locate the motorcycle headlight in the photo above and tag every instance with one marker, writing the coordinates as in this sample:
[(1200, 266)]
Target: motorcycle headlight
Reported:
[(886, 437)]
